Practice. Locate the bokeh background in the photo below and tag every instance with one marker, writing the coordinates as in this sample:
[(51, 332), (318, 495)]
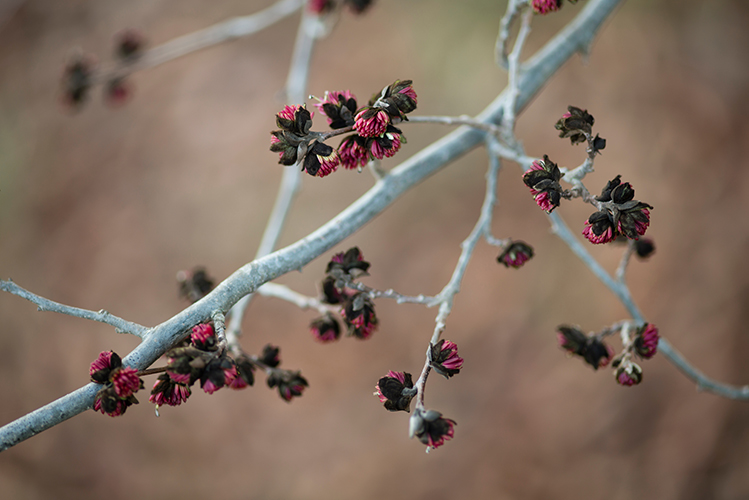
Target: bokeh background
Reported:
[(101, 208)]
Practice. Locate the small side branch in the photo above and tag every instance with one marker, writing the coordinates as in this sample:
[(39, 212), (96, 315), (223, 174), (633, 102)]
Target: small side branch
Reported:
[(102, 316), (224, 31)]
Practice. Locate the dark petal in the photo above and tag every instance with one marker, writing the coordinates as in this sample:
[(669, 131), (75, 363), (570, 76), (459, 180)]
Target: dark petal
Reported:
[(599, 143), (288, 157), (270, 356), (575, 339), (311, 164), (284, 123), (610, 185), (595, 351), (644, 247), (533, 177), (622, 193)]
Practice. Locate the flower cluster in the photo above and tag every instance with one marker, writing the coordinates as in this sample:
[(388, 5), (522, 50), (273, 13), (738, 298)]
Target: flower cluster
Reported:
[(620, 214), (202, 360), (543, 178), (357, 309), (576, 123), (516, 254), (546, 6), (590, 348), (644, 345), (120, 384), (374, 137), (79, 73)]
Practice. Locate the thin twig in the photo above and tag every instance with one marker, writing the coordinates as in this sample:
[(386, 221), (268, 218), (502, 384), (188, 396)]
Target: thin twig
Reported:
[(446, 296), (296, 85), (621, 271), (102, 316), (224, 31), (508, 118), (457, 120), (500, 50), (300, 300)]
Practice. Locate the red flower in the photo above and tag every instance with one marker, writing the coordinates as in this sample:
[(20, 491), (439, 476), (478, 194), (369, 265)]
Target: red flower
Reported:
[(371, 122), (126, 382), (646, 342)]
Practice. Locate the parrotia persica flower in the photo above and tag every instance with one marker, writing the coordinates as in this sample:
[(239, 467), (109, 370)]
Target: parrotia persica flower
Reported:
[(646, 341), (290, 384), (325, 328), (195, 284), (270, 356), (575, 124), (295, 123), (339, 107), (321, 160), (622, 214), (359, 314), (325, 6), (596, 353), (444, 358), (543, 180), (396, 391), (431, 428), (516, 254), (120, 384), (546, 6), (350, 263), (628, 373), (168, 392), (203, 337), (644, 247), (129, 44), (77, 79)]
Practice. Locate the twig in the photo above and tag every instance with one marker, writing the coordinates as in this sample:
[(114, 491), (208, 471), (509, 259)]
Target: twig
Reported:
[(296, 85), (300, 300), (446, 296), (576, 36), (224, 31), (508, 118), (457, 120), (621, 271), (500, 50), (102, 316)]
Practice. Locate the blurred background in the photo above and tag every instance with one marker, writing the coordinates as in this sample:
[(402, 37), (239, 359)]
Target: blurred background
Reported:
[(101, 208)]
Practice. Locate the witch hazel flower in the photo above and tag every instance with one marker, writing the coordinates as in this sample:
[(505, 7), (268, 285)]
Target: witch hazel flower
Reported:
[(371, 122), (353, 152), (594, 351), (543, 178), (359, 315), (396, 390), (431, 428), (126, 382), (321, 160), (386, 145), (325, 329), (516, 254), (646, 341), (339, 107), (167, 392), (628, 373), (546, 6), (443, 356), (290, 384), (599, 228)]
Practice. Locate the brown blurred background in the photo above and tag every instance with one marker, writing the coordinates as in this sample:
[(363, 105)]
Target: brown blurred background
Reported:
[(100, 209)]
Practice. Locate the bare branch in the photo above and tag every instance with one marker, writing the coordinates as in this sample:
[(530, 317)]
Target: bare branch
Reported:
[(249, 277), (102, 316)]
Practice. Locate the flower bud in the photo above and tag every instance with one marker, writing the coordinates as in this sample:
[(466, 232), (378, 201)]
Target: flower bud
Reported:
[(576, 122), (543, 180), (444, 358), (393, 390), (516, 254), (646, 341)]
